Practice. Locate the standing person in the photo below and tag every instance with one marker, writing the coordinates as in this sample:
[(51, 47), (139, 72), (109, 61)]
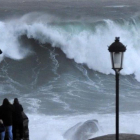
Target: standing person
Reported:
[(6, 113), (2, 128), (17, 119)]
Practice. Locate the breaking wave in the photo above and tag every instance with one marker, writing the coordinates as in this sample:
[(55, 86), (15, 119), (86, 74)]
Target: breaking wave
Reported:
[(86, 43)]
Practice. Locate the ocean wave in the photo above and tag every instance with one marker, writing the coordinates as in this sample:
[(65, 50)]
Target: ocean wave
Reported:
[(85, 43)]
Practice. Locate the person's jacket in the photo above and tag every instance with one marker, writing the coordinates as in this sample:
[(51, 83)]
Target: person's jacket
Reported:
[(6, 114), (17, 116)]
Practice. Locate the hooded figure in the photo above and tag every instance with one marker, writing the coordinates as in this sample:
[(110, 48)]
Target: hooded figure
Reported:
[(6, 114), (17, 119)]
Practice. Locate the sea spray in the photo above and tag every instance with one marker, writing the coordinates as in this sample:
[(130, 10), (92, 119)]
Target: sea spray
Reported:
[(87, 45), (40, 125), (9, 42)]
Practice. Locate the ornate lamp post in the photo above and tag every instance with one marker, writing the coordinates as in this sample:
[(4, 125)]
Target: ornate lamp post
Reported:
[(117, 50)]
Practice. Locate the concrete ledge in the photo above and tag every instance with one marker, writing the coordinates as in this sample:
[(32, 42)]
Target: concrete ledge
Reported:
[(121, 137)]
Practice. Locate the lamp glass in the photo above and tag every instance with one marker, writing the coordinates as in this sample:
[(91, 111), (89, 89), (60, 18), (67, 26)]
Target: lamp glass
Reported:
[(117, 59)]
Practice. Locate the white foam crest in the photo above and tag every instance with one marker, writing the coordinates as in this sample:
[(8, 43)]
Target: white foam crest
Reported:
[(85, 47), (9, 42), (90, 48)]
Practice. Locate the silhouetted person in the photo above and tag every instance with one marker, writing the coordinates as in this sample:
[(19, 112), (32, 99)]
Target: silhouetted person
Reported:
[(17, 119), (2, 128), (6, 114)]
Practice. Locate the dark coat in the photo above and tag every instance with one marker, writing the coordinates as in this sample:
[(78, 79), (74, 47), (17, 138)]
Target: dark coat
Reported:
[(6, 114), (0, 113), (17, 116), (25, 128)]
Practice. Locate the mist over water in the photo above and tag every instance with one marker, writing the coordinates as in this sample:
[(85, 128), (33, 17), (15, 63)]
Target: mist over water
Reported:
[(56, 61)]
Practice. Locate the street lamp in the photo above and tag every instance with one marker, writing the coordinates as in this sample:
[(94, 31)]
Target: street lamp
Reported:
[(117, 50)]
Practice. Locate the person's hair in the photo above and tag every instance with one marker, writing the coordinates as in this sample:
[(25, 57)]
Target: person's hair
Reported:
[(16, 101), (6, 102)]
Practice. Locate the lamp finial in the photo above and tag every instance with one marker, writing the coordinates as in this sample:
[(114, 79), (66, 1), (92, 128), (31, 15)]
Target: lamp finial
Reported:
[(117, 39)]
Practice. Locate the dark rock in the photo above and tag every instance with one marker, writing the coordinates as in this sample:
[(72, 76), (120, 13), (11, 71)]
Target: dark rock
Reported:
[(82, 130)]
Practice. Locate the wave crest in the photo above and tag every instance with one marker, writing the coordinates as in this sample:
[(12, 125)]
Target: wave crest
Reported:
[(86, 43)]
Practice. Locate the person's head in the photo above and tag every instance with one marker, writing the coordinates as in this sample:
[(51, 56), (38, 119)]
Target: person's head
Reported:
[(6, 102), (16, 101)]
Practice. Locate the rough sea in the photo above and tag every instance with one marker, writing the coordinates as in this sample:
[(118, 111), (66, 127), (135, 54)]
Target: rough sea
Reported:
[(55, 60)]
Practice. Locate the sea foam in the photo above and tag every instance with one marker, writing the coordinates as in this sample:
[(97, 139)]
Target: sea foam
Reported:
[(54, 127), (83, 44)]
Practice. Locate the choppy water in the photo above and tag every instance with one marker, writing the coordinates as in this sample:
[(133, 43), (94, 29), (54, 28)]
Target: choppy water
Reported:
[(56, 61)]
